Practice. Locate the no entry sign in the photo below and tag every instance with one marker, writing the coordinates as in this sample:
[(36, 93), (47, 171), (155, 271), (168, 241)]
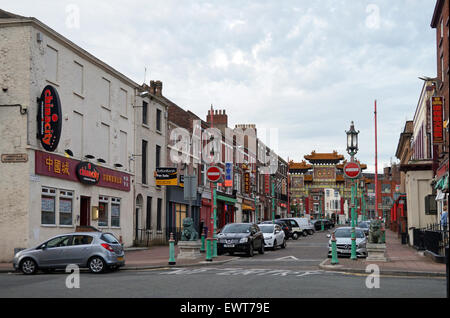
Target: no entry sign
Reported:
[(352, 170), (213, 174)]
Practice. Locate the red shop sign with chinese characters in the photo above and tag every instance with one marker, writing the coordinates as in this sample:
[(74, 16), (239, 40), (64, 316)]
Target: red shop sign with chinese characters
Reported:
[(437, 110), (55, 166)]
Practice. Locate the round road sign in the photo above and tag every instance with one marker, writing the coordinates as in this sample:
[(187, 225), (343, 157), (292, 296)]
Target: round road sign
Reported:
[(213, 174), (352, 170)]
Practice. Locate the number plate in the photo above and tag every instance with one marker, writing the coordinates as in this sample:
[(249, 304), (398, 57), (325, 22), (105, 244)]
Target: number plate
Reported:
[(228, 245), (120, 258)]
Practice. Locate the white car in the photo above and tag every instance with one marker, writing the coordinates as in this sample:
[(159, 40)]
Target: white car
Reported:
[(273, 235)]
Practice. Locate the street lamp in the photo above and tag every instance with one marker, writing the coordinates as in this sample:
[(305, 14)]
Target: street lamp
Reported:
[(352, 149)]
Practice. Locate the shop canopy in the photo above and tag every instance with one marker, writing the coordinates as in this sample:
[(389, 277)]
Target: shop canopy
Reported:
[(442, 184)]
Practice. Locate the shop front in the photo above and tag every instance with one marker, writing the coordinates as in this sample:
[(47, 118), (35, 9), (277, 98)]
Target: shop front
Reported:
[(70, 195), (225, 209), (248, 211)]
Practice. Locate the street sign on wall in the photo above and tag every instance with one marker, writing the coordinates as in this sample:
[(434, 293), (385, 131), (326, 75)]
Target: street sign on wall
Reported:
[(166, 176), (352, 170), (228, 174)]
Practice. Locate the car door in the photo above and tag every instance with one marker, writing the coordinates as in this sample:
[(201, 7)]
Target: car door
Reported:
[(280, 235), (78, 252), (52, 252), (258, 237)]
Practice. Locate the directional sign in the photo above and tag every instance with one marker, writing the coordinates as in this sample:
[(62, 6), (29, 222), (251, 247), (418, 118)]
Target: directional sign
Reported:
[(214, 174), (352, 170)]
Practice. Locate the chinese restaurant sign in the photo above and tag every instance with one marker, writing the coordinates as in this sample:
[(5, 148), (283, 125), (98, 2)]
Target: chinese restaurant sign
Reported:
[(49, 118), (51, 165), (437, 105)]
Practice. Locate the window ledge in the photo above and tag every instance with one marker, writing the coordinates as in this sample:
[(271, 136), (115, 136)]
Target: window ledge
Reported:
[(67, 226), (78, 95), (124, 117), (48, 225), (146, 126), (53, 83)]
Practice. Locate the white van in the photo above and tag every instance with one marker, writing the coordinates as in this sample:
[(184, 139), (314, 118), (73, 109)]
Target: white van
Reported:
[(297, 231), (305, 224)]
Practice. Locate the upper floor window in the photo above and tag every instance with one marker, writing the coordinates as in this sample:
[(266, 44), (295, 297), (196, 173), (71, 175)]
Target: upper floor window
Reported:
[(144, 113), (158, 120)]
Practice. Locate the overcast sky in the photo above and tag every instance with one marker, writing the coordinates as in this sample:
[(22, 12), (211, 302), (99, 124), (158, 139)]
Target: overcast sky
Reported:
[(305, 68)]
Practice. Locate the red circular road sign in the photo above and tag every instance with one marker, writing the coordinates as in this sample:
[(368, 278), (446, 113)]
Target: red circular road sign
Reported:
[(352, 170), (213, 174)]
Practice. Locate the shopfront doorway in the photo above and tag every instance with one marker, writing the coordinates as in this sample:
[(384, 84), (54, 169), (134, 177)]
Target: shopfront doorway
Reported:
[(85, 206)]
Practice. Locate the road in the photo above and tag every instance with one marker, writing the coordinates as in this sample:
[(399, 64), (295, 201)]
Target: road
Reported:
[(285, 273)]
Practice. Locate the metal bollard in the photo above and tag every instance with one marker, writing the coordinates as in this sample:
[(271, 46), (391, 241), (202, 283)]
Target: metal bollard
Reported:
[(171, 250), (208, 250), (202, 249), (214, 255), (334, 258)]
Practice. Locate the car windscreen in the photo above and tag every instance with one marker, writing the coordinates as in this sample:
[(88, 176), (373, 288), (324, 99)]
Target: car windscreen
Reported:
[(266, 228), (109, 238), (363, 225), (347, 233), (237, 228)]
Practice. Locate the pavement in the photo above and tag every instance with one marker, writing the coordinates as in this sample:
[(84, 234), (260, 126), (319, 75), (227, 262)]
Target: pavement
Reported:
[(402, 260)]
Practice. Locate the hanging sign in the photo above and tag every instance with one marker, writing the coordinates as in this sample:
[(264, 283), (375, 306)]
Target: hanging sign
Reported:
[(166, 176), (228, 174), (49, 118), (437, 111)]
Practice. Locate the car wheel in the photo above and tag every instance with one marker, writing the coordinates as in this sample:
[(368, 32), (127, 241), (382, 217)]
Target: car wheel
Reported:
[(274, 245), (304, 233), (284, 244), (96, 265), (295, 236), (250, 250), (28, 266), (310, 232)]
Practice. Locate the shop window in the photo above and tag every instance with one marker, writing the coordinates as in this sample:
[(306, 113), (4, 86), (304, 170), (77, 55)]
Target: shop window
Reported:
[(103, 211), (48, 206), (115, 212), (65, 207)]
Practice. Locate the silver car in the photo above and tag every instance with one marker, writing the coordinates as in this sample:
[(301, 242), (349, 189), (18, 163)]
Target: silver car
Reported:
[(344, 242), (97, 251)]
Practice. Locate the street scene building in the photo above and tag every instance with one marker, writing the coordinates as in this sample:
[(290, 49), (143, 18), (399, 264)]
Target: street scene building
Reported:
[(104, 172)]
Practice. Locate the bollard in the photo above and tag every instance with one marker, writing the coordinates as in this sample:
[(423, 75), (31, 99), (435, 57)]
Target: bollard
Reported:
[(214, 254), (334, 258), (171, 250), (208, 250), (202, 249)]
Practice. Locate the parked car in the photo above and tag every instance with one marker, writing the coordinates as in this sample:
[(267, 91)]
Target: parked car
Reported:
[(344, 242), (240, 237), (273, 235), (97, 251), (318, 224), (364, 225), (286, 226), (297, 231)]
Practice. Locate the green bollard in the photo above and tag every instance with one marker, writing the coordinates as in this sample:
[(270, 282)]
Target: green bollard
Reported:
[(202, 249), (208, 250), (334, 258), (214, 255), (171, 250)]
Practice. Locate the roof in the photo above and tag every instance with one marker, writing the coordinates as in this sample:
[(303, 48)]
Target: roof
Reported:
[(437, 13), (299, 165), (8, 15), (324, 157), (404, 137)]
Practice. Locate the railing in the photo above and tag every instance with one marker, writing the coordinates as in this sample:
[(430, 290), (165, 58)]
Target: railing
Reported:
[(149, 237), (433, 238)]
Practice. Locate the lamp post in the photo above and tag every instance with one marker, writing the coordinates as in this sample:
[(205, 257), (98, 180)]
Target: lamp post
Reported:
[(321, 213), (352, 149)]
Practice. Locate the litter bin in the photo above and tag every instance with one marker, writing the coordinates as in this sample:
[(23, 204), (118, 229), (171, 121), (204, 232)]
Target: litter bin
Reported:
[(404, 238)]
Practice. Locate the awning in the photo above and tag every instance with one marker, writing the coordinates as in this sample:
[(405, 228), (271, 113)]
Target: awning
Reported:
[(226, 199), (442, 184), (247, 207)]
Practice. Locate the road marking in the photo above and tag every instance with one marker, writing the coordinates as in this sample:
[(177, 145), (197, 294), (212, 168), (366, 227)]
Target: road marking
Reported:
[(246, 272), (287, 258)]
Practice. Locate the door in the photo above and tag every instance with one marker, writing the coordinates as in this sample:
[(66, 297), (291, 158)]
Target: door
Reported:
[(53, 253), (85, 206), (79, 250)]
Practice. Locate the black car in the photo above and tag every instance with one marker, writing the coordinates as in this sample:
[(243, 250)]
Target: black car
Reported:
[(327, 224), (240, 237), (287, 228)]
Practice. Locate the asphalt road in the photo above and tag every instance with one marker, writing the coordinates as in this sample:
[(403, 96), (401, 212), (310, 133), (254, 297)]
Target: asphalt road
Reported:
[(285, 273)]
